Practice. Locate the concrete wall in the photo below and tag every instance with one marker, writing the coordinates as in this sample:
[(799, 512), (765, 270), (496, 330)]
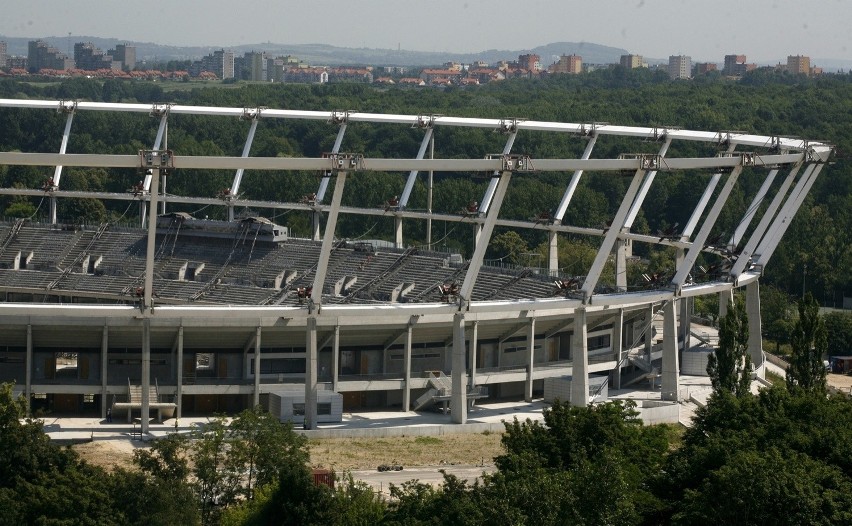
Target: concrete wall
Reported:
[(694, 362)]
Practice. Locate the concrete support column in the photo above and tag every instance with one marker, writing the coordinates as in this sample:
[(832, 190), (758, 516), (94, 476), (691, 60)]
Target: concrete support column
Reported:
[(725, 299), (458, 402), (553, 253), (671, 373), (528, 388), (618, 346), (685, 323), (179, 388), (649, 331), (316, 226), (755, 340), (256, 393), (311, 374), (474, 335), (580, 361), (28, 381), (335, 358), (146, 373), (397, 228), (621, 248), (406, 394), (104, 374)]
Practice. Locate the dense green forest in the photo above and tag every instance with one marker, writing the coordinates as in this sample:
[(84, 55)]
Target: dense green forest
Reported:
[(781, 457), (815, 253)]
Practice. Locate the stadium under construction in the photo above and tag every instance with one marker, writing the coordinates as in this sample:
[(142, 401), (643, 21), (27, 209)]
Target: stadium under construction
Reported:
[(188, 315)]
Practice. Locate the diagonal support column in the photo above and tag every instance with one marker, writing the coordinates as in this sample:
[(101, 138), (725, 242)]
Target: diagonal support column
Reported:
[(149, 175), (701, 238), (485, 237), (605, 250), (327, 240), (238, 176), (770, 242), (575, 180), (766, 220), (57, 172), (412, 176), (323, 186), (739, 232)]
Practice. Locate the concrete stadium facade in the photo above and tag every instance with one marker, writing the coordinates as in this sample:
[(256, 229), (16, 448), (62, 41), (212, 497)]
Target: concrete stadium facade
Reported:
[(194, 326)]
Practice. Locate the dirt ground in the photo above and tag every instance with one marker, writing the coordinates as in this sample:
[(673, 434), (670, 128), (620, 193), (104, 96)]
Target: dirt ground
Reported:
[(344, 453)]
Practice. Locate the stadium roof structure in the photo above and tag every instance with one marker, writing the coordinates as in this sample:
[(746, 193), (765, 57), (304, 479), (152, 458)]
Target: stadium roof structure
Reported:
[(331, 287)]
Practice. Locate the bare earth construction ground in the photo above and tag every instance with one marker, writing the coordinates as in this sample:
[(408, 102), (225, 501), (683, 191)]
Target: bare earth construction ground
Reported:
[(344, 454)]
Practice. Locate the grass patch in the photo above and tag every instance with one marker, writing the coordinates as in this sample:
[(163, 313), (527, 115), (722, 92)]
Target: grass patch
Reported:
[(776, 379), (428, 440)]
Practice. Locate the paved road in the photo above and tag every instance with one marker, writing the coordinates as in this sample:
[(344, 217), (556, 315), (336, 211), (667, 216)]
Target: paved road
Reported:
[(426, 474)]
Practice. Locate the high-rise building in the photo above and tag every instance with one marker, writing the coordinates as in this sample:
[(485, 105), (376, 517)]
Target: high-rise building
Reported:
[(529, 62), (680, 67), (42, 56), (572, 64), (735, 65), (703, 68), (3, 58), (631, 61), (89, 58), (798, 64), (255, 66), (124, 54)]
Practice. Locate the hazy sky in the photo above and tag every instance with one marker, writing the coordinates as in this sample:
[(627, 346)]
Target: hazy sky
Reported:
[(764, 30)]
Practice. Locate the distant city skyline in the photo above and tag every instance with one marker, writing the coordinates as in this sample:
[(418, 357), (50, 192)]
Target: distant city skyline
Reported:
[(764, 30)]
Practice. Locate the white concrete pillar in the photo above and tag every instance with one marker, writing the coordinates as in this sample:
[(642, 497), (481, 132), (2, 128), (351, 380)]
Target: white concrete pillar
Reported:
[(311, 374), (618, 346), (315, 220), (671, 373), (28, 381), (725, 299), (553, 253), (755, 339), (458, 402), (406, 394), (621, 248), (255, 401), (335, 358), (146, 373), (649, 331), (104, 373), (528, 391), (685, 322), (580, 361), (474, 344), (397, 227), (179, 388)]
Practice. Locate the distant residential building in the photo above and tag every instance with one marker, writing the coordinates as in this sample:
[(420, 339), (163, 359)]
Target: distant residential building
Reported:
[(479, 64), (350, 75), (125, 55), (440, 76), (798, 64), (42, 56), (454, 66), (219, 63), (703, 68), (3, 55), (632, 62), (253, 65), (530, 62), (680, 67), (305, 75), (89, 58), (16, 62), (572, 64)]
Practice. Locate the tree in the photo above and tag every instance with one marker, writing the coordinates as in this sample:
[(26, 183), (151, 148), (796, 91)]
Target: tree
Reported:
[(729, 367), (810, 343), (838, 326)]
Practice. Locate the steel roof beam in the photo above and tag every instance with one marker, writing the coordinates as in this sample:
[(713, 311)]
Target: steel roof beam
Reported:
[(753, 241), (575, 180)]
